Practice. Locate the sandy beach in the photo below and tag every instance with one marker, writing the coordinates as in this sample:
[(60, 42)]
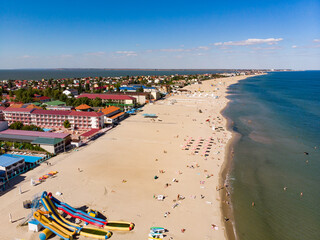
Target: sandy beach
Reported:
[(178, 155)]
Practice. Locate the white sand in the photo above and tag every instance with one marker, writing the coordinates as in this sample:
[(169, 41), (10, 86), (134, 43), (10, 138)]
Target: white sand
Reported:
[(135, 151)]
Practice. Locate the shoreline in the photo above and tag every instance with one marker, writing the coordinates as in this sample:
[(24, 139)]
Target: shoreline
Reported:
[(227, 210)]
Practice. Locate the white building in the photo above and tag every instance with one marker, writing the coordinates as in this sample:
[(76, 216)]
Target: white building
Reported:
[(69, 92)]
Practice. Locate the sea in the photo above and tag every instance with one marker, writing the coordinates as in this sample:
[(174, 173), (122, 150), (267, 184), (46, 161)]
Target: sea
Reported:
[(38, 74), (276, 163)]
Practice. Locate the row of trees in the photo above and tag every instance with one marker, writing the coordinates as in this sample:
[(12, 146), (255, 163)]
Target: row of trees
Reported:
[(20, 126), (17, 145), (97, 102)]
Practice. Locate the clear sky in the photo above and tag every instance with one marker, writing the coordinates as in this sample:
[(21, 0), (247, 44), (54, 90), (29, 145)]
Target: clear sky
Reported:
[(160, 34)]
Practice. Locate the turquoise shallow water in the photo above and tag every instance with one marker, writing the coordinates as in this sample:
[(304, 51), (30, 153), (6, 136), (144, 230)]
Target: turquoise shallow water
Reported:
[(278, 118)]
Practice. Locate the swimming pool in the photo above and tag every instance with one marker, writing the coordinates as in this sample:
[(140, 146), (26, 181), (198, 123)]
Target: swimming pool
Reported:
[(46, 129), (27, 158)]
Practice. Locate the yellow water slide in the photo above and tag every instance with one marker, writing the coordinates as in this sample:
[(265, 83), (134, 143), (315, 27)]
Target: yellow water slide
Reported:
[(87, 232), (57, 217), (53, 226), (119, 226)]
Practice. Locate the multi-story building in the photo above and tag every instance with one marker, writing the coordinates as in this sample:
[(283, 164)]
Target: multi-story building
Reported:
[(51, 142), (111, 98), (54, 118), (112, 115), (23, 115)]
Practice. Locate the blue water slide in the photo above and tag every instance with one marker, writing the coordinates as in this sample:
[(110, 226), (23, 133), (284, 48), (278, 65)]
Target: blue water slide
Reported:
[(78, 213)]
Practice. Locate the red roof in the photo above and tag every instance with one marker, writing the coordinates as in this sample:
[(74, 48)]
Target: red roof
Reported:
[(106, 96), (86, 114), (8, 97), (90, 133), (11, 109), (42, 98), (34, 133), (51, 112)]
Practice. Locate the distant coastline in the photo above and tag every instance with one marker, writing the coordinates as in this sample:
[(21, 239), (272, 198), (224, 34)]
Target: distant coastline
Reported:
[(153, 69), (60, 73)]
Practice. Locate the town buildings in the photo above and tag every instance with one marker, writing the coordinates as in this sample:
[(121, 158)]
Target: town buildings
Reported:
[(70, 92)]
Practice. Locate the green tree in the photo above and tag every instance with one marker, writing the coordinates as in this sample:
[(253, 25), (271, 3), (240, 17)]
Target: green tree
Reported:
[(140, 89), (32, 128), (80, 89), (70, 101), (87, 87), (56, 94), (117, 85), (63, 97), (97, 102), (66, 124), (16, 125), (10, 84), (84, 100)]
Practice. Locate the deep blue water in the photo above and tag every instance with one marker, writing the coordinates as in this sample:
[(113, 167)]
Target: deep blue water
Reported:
[(278, 118), (38, 74)]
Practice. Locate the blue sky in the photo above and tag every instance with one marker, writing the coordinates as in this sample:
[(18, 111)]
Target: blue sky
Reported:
[(160, 34)]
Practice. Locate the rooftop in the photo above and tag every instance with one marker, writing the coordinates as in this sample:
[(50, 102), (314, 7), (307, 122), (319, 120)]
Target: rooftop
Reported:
[(36, 103), (55, 103), (90, 133), (12, 109), (15, 105), (42, 98), (83, 107), (86, 114), (117, 115), (47, 141), (34, 133), (51, 112), (109, 110), (106, 96), (6, 161)]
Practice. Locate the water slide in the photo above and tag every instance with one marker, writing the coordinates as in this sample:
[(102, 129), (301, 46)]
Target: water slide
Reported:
[(119, 226), (77, 213), (65, 224), (47, 204), (53, 226), (109, 225)]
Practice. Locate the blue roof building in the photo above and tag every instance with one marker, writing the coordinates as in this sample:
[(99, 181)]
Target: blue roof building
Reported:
[(128, 89), (10, 164)]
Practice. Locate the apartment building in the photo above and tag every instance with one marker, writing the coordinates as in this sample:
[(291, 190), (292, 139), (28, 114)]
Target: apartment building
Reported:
[(111, 98), (54, 118)]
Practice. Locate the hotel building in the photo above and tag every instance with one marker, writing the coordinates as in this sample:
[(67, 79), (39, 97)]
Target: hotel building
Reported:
[(54, 118)]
